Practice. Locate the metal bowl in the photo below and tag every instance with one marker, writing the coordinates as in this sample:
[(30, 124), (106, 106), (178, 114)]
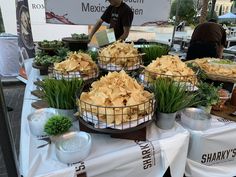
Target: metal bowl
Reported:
[(196, 119), (73, 146)]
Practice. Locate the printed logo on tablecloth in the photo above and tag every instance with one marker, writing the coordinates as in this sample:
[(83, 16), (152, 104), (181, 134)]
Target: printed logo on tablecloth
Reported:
[(148, 154), (80, 169), (219, 157)]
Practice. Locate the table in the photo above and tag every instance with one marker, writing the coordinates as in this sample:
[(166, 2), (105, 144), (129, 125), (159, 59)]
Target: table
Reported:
[(212, 152), (108, 157)]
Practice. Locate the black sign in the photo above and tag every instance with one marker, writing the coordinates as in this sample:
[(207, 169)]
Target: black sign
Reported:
[(25, 38)]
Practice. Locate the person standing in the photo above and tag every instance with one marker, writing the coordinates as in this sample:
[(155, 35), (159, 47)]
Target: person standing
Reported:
[(208, 40), (119, 15)]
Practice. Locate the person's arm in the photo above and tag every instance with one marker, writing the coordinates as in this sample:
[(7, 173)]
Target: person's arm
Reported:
[(95, 28), (125, 34)]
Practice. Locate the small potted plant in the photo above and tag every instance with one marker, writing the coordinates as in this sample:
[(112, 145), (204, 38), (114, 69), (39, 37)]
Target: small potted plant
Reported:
[(208, 96), (61, 94), (153, 51), (57, 125), (171, 97)]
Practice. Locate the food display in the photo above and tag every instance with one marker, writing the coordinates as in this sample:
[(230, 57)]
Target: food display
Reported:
[(223, 97), (223, 61), (218, 69), (76, 65), (45, 44), (46, 60), (169, 66), (79, 36), (118, 56), (116, 99)]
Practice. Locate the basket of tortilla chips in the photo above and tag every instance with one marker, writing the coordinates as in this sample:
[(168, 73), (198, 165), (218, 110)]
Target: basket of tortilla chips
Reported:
[(77, 65), (218, 69), (172, 67), (117, 102), (119, 56)]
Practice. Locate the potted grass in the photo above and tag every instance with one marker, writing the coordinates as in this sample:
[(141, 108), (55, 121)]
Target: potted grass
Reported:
[(152, 52), (171, 97), (61, 94)]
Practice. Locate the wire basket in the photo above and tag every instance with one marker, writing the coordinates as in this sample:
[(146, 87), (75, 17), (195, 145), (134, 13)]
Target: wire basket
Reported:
[(188, 81), (116, 119), (85, 75), (120, 63)]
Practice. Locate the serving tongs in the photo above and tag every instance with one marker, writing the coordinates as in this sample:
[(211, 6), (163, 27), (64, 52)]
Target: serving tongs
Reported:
[(47, 139)]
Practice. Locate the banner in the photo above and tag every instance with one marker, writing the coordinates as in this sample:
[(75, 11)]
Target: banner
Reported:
[(25, 38), (213, 152), (86, 12)]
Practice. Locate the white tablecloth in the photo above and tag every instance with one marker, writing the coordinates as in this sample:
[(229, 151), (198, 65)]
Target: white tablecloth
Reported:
[(213, 152), (109, 156)]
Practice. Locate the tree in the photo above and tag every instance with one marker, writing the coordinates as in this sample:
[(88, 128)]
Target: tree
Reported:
[(213, 4), (186, 10), (220, 11), (204, 11), (1, 23)]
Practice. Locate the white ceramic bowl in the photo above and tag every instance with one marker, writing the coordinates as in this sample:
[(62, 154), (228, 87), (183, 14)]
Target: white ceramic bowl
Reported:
[(38, 119), (196, 119), (73, 146)]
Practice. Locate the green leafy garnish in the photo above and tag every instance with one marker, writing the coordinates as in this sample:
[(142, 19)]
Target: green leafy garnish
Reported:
[(223, 61), (79, 36), (50, 44), (208, 94), (57, 125)]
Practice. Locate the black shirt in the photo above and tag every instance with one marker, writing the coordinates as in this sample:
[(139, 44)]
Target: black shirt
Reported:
[(118, 17)]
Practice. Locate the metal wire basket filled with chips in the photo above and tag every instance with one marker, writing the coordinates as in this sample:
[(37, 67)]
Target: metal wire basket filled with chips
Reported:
[(171, 67), (77, 65), (217, 69), (119, 56), (116, 103)]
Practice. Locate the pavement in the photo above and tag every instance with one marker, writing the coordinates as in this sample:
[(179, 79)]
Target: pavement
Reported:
[(14, 93)]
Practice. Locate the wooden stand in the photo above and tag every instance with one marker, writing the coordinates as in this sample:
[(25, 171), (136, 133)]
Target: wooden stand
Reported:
[(37, 93), (226, 112), (39, 104), (136, 134)]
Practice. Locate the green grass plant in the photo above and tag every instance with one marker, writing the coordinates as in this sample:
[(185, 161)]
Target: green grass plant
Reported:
[(153, 51), (61, 94), (171, 96)]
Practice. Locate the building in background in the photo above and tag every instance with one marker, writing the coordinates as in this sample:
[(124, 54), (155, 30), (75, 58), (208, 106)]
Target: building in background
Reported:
[(223, 6)]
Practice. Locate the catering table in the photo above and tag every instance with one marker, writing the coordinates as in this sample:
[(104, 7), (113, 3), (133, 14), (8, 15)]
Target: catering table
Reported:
[(108, 156), (213, 152)]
